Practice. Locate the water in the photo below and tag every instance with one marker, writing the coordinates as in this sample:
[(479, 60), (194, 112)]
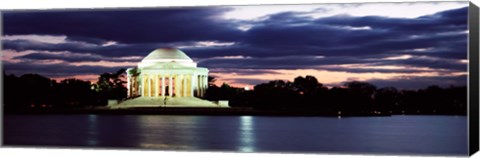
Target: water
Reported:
[(430, 135)]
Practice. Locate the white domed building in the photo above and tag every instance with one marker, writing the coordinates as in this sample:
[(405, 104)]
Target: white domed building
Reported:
[(167, 72), (166, 77)]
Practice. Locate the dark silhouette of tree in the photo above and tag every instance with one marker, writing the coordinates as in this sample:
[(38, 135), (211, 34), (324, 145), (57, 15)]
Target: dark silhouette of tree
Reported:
[(304, 94), (386, 100), (35, 90), (133, 71), (360, 96), (456, 100), (224, 92), (211, 81), (74, 92), (276, 94), (408, 101), (431, 98), (11, 91), (111, 85), (337, 99), (312, 93), (307, 86)]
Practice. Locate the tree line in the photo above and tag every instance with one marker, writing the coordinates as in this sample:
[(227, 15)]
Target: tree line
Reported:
[(36, 91), (306, 93)]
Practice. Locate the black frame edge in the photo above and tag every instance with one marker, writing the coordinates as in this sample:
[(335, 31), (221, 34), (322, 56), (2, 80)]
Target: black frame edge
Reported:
[(473, 79)]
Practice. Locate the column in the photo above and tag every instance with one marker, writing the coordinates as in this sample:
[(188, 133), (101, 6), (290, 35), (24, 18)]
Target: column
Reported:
[(184, 85), (177, 85), (129, 88), (135, 85), (163, 85), (195, 84), (200, 86), (206, 81), (149, 93), (152, 86), (156, 86), (192, 85), (170, 85), (197, 90), (179, 92), (143, 86), (205, 84)]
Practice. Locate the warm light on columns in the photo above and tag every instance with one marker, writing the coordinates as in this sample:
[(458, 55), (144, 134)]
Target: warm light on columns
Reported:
[(129, 94), (197, 82), (143, 85), (205, 82), (199, 86), (192, 85), (203, 85), (163, 85), (150, 86), (179, 85), (184, 85), (170, 85), (176, 86), (156, 85)]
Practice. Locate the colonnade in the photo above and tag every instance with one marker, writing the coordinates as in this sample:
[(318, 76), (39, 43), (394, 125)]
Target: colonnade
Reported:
[(173, 85)]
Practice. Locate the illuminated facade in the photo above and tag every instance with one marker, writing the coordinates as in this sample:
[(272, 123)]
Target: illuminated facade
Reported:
[(167, 72)]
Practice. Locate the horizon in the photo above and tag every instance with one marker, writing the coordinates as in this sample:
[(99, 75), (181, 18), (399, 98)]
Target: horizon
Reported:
[(340, 85), (248, 45)]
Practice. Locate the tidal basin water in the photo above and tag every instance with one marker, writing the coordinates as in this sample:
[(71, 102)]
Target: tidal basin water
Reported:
[(430, 135)]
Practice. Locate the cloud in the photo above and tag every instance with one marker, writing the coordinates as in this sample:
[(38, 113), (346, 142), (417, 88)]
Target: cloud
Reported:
[(116, 50), (70, 57), (286, 34), (246, 81), (55, 70), (125, 25), (421, 82), (237, 71), (287, 40)]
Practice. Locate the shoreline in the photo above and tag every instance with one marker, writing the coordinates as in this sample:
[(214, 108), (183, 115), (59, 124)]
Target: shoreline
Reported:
[(200, 111)]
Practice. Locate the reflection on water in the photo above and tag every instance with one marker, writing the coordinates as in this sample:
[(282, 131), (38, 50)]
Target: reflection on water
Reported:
[(92, 131), (246, 138), (438, 135), (168, 132)]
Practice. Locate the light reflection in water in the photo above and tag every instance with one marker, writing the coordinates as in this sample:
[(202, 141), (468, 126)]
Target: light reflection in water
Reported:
[(247, 139), (167, 132), (92, 133), (377, 135)]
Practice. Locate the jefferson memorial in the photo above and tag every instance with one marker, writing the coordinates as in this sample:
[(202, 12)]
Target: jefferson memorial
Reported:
[(167, 77), (167, 72)]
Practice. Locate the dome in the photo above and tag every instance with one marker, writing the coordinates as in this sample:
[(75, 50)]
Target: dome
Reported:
[(167, 54)]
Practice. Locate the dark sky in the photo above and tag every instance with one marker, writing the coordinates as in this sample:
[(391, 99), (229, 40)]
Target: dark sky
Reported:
[(335, 43)]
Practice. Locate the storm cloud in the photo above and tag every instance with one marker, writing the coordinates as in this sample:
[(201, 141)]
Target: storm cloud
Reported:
[(286, 40)]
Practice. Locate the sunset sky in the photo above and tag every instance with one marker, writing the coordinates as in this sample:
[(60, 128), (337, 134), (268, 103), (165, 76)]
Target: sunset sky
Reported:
[(405, 45)]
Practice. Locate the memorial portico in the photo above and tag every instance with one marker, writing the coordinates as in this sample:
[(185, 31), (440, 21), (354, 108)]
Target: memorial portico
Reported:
[(167, 72)]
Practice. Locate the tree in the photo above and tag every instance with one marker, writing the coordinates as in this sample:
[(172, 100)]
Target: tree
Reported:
[(386, 99), (111, 85), (276, 94), (337, 99), (36, 90), (360, 96), (224, 92), (312, 92), (74, 92), (307, 85), (211, 81)]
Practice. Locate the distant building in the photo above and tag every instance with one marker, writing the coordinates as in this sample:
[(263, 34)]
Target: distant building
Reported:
[(167, 72), (167, 77)]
